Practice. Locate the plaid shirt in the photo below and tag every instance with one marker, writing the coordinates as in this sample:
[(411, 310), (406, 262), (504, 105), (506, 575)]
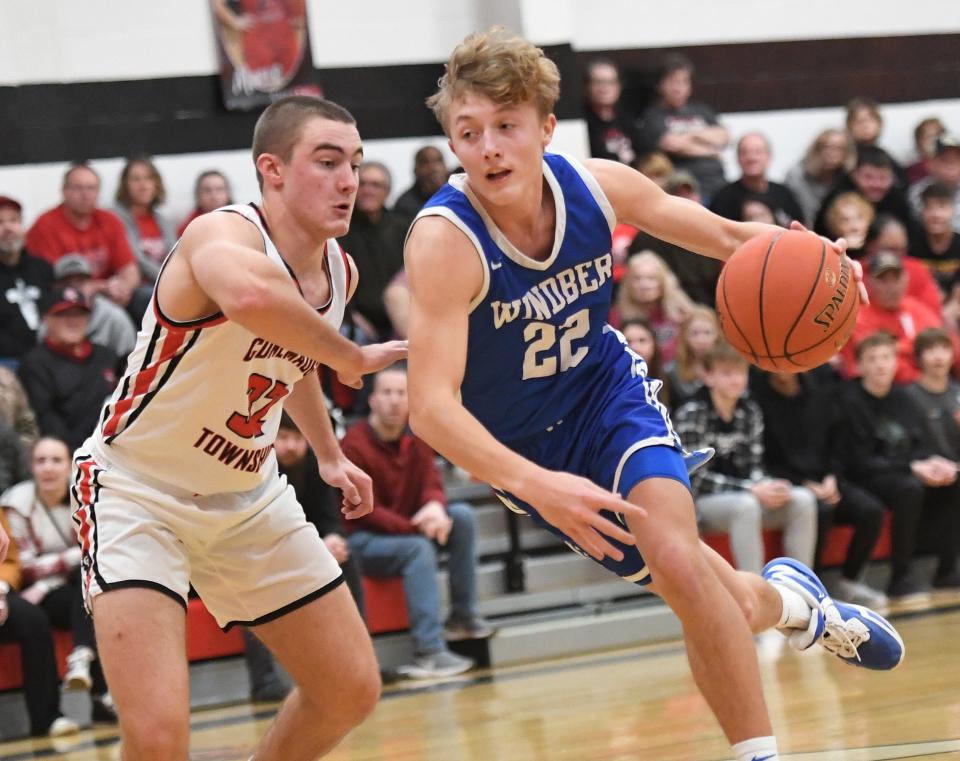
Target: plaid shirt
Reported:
[(739, 460)]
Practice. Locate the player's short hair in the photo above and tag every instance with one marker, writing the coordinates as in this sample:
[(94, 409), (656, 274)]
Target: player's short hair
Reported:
[(722, 353), (279, 126), (122, 196), (927, 339), (880, 338), (501, 66), (937, 191)]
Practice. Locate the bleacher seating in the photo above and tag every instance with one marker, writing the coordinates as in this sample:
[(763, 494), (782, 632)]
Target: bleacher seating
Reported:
[(386, 609)]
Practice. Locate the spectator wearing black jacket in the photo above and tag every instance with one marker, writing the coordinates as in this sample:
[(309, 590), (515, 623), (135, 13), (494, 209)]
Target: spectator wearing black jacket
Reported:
[(753, 156), (885, 452), (24, 280), (874, 177), (375, 242), (67, 378), (801, 424)]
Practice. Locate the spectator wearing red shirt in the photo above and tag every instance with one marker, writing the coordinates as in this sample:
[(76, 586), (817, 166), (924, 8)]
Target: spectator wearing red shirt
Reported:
[(410, 518), (77, 226), (890, 310), (887, 233)]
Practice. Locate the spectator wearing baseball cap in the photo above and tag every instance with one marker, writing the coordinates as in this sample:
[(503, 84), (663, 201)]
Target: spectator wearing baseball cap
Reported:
[(24, 279), (110, 325), (891, 310), (67, 377), (944, 168)]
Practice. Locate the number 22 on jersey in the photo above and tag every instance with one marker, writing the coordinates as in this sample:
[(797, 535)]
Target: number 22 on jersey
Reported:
[(545, 355)]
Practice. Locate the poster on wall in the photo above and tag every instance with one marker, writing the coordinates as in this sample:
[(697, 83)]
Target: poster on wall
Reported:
[(264, 51)]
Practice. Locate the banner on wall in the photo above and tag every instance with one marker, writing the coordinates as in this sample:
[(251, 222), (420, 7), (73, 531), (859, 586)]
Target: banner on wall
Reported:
[(264, 51)]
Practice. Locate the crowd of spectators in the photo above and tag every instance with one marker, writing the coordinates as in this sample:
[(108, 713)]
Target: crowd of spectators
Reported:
[(847, 442), (875, 431)]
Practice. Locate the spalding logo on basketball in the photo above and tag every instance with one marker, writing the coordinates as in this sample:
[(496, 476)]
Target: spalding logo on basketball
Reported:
[(787, 301)]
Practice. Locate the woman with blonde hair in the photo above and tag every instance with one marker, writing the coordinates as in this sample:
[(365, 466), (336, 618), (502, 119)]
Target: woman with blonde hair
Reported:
[(699, 333), (649, 290), (828, 158)]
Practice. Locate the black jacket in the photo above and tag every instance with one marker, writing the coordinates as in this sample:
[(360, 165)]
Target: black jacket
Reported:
[(21, 287), (67, 392), (880, 435)]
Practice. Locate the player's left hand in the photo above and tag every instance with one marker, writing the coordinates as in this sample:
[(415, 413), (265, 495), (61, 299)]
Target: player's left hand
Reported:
[(840, 246), (353, 483)]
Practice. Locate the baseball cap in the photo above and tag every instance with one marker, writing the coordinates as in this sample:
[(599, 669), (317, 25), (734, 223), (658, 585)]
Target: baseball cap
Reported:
[(947, 142), (6, 202), (885, 261), (70, 265), (681, 179), (61, 299)]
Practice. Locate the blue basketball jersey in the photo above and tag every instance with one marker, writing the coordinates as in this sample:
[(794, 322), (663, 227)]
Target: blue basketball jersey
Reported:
[(539, 345)]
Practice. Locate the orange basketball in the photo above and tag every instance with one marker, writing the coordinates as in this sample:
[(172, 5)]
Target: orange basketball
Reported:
[(787, 301)]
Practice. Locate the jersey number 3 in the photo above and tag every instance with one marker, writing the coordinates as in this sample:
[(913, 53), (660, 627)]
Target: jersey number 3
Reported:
[(259, 387), (540, 359)]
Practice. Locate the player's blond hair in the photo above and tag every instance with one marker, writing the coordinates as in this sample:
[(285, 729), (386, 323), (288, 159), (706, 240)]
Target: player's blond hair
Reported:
[(501, 66)]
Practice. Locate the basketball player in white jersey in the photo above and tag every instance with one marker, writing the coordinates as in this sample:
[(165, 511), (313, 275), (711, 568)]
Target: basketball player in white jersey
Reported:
[(179, 482), (515, 376)]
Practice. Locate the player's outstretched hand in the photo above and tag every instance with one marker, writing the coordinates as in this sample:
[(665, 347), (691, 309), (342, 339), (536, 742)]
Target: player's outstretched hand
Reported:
[(375, 357), (840, 246), (4, 544), (353, 483), (573, 505)]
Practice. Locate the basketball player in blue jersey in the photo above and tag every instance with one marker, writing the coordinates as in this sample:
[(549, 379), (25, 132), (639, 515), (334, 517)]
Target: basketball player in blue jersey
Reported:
[(515, 376), (179, 484)]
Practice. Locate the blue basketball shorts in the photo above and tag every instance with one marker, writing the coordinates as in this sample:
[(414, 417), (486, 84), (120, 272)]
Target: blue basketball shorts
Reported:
[(616, 440)]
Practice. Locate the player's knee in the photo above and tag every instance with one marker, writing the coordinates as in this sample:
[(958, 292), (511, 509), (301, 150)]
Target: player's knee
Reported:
[(357, 696), (154, 736), (677, 566)]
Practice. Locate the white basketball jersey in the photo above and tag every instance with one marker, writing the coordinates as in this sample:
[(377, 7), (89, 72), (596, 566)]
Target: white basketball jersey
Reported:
[(199, 405)]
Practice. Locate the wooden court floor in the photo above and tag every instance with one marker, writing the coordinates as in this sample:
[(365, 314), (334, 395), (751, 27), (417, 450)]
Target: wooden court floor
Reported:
[(625, 705)]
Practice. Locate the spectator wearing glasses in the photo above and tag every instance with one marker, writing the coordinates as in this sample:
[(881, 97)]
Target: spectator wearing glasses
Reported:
[(375, 242)]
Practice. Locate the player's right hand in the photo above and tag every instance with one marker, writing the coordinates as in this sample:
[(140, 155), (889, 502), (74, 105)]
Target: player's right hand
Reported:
[(573, 505), (373, 358)]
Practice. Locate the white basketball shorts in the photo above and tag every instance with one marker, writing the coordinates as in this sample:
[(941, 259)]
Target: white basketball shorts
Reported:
[(252, 556)]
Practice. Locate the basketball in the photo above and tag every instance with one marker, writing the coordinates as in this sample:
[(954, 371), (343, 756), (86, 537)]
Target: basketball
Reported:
[(787, 301)]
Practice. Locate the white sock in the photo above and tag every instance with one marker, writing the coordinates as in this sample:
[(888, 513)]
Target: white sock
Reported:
[(757, 749), (796, 613)]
